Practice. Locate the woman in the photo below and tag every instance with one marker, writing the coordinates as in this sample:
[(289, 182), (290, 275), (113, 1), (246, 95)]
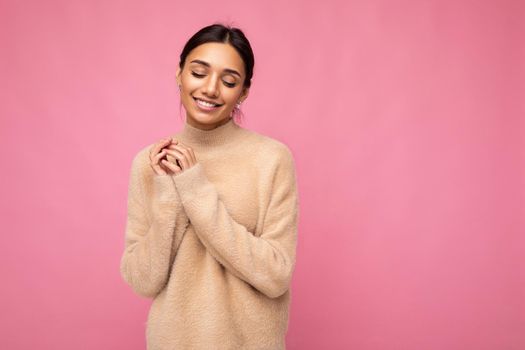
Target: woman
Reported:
[(212, 213)]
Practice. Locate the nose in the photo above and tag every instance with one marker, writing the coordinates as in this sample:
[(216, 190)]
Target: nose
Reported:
[(210, 88)]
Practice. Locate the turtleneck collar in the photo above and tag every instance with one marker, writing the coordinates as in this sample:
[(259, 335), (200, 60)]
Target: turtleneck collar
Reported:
[(214, 137)]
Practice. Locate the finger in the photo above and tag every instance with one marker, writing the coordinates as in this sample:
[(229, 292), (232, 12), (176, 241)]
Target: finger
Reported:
[(159, 145), (188, 153), (161, 162), (164, 142), (174, 168), (154, 150), (183, 159), (156, 159), (172, 145), (169, 163), (163, 166), (173, 160), (180, 156), (174, 153), (161, 154)]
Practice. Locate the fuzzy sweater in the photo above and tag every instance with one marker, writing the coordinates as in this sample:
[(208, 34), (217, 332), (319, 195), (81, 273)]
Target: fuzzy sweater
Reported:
[(215, 245)]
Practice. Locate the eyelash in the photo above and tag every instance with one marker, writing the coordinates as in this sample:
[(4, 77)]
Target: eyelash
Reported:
[(230, 85)]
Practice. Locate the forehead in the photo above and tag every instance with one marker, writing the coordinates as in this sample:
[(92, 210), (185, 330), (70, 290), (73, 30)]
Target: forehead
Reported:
[(218, 55)]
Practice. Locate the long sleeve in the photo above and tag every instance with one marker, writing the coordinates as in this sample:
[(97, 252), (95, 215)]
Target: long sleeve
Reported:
[(267, 261), (151, 240)]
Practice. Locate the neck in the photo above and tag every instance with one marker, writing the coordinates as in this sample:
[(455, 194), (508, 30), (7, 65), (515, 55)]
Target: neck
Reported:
[(217, 136)]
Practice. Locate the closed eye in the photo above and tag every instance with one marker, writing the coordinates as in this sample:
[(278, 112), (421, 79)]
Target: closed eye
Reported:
[(197, 75)]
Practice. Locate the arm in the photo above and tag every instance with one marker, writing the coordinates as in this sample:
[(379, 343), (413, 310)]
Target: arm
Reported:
[(151, 242), (265, 262)]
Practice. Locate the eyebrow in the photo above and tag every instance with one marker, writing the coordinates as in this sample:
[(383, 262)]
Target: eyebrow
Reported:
[(229, 70)]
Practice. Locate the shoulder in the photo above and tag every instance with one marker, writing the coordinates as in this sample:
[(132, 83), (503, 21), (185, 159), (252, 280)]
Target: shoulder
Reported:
[(276, 162), (269, 148)]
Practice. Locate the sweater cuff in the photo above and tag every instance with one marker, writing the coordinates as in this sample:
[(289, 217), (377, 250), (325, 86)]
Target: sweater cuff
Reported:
[(190, 182)]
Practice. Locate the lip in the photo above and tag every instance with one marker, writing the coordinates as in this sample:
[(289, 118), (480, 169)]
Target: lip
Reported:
[(205, 108), (206, 100)]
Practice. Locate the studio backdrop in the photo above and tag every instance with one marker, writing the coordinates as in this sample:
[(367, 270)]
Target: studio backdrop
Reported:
[(407, 124)]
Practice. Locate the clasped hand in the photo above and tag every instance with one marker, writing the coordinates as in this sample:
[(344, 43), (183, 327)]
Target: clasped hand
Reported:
[(169, 156)]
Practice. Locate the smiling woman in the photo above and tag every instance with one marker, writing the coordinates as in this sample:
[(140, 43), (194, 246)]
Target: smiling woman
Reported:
[(211, 230)]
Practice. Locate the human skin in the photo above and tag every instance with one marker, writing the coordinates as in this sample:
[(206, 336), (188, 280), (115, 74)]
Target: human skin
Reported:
[(209, 74)]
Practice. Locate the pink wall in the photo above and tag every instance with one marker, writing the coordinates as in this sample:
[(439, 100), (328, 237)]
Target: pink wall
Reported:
[(407, 123)]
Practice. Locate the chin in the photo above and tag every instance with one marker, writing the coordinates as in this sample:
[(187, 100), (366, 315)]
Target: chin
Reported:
[(207, 120), (204, 119)]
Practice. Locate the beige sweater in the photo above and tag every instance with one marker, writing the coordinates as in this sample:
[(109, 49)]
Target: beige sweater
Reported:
[(215, 245)]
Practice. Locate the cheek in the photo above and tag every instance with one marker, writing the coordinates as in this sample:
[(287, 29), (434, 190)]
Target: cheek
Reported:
[(190, 84), (230, 96)]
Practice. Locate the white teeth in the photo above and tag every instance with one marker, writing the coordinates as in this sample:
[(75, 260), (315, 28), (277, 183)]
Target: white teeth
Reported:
[(206, 104)]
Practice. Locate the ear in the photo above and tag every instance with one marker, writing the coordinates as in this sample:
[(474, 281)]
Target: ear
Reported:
[(177, 76), (244, 94)]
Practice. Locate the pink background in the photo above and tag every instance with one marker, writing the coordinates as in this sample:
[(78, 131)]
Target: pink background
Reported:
[(407, 123)]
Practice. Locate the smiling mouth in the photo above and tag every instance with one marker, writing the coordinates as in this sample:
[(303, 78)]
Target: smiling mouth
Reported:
[(206, 103)]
